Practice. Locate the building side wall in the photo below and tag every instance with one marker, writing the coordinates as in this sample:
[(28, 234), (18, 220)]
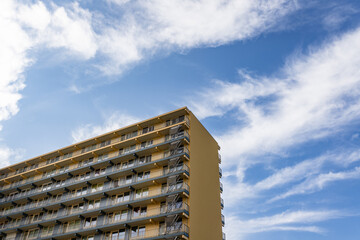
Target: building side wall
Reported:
[(205, 208)]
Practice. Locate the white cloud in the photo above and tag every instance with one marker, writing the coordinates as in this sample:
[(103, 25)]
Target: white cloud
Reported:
[(313, 95), (319, 182), (154, 26), (28, 26), (112, 122), (9, 156), (285, 221)]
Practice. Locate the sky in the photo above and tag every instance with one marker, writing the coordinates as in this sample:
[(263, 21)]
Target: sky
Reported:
[(276, 82)]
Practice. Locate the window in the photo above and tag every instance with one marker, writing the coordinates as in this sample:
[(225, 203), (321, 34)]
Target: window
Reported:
[(94, 204), (64, 169), (126, 164), (90, 222), (88, 149), (37, 217), (83, 176), (145, 159), (79, 192), (148, 129), (100, 171), (139, 212), (91, 237), (47, 230), (86, 162), (123, 137), (117, 216), (162, 228), (33, 233), (13, 195), (60, 183), (143, 175), (87, 237), (73, 225), (97, 187), (25, 191), (57, 197), (105, 143), (67, 155), (128, 179), (52, 213), (77, 207), (138, 231), (142, 192), (103, 157), (120, 197), (146, 143), (117, 235), (46, 186)]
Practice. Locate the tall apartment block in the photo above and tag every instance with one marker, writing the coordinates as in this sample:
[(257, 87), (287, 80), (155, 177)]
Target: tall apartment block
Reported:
[(156, 179)]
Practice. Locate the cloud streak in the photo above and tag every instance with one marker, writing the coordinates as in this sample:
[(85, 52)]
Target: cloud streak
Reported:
[(112, 122), (285, 221), (306, 101), (313, 96)]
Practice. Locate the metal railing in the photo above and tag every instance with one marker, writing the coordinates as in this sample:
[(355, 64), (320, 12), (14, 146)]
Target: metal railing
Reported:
[(70, 181), (109, 203), (80, 152), (181, 229), (79, 225)]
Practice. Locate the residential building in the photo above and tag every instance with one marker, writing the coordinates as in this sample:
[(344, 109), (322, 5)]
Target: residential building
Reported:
[(156, 179)]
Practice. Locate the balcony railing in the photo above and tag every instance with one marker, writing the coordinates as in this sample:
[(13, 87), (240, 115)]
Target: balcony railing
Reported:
[(181, 229), (65, 228), (67, 212), (71, 181), (220, 172), (221, 187), (110, 185), (77, 153)]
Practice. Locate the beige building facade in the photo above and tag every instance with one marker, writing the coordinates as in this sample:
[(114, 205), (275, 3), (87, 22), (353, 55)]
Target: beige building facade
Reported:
[(156, 179)]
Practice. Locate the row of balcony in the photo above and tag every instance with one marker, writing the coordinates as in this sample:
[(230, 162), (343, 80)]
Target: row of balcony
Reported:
[(106, 220), (86, 225), (98, 147), (161, 233), (112, 185), (98, 160)]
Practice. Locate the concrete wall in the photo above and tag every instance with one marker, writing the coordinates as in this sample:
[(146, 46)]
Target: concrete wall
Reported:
[(205, 208)]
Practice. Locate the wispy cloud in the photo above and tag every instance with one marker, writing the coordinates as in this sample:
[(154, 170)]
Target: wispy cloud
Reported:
[(157, 26), (9, 156), (313, 96), (112, 122), (305, 101), (285, 221), (319, 182)]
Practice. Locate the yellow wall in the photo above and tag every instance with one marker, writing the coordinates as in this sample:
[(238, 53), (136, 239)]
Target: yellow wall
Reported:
[(205, 209)]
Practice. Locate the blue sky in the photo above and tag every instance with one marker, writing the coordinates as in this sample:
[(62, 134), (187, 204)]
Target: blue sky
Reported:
[(276, 82)]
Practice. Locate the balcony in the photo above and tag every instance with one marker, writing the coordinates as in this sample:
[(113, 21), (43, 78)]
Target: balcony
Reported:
[(223, 219), (80, 154), (223, 236), (71, 181), (110, 204), (156, 233), (80, 227), (220, 172), (222, 203), (112, 185), (221, 187)]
